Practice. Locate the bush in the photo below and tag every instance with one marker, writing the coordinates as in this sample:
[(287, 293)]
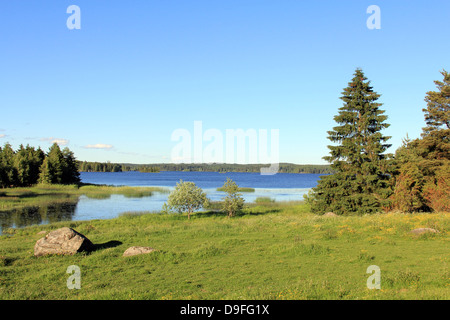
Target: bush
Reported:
[(186, 197), (233, 202)]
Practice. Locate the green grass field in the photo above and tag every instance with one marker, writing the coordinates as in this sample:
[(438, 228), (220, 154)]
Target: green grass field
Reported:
[(273, 251)]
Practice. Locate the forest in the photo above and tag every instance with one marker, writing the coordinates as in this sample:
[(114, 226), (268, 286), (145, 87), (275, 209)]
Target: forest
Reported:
[(28, 166), (86, 166)]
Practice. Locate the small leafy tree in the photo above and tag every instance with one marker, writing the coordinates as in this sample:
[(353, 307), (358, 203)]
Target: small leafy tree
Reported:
[(186, 197), (233, 201)]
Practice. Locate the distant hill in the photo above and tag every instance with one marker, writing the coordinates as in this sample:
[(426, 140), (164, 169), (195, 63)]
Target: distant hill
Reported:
[(85, 166)]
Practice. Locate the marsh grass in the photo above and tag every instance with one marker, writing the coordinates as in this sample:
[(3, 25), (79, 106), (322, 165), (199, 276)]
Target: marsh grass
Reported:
[(242, 189), (45, 195), (279, 251), (262, 200)]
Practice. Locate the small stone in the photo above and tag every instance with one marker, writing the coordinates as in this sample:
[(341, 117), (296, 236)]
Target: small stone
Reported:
[(330, 214), (132, 251), (424, 230)]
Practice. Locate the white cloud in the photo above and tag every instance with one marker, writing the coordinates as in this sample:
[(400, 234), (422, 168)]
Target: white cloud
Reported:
[(98, 146), (61, 142), (2, 135)]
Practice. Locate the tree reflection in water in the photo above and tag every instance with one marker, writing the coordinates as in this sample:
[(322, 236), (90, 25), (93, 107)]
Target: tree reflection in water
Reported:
[(28, 216)]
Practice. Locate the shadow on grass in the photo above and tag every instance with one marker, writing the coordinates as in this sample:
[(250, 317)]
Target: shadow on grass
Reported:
[(106, 245), (258, 212), (218, 213)]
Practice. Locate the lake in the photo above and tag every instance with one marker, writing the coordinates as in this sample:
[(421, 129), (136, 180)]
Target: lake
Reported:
[(280, 187)]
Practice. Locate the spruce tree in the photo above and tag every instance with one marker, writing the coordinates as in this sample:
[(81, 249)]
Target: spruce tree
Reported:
[(56, 161), (71, 175), (47, 173), (8, 174), (361, 180), (437, 112)]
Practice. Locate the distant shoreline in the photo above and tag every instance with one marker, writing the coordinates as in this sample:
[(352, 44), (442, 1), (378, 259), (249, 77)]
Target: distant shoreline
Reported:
[(85, 166)]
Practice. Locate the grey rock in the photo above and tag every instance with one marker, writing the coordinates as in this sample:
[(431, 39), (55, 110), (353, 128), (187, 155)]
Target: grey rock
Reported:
[(64, 241), (132, 251)]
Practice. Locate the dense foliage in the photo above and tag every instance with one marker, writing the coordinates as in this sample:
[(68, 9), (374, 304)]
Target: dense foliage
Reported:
[(422, 179), (416, 178), (28, 166)]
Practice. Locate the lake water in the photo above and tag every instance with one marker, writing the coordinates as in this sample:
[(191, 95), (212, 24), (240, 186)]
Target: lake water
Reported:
[(280, 187)]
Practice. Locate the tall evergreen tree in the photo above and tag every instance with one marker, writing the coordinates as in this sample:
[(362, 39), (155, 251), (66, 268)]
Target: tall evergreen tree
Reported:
[(22, 165), (46, 175), (71, 175), (8, 176), (361, 182), (57, 162), (437, 112)]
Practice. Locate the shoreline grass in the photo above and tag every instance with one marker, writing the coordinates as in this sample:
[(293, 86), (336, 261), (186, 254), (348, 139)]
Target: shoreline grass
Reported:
[(42, 194), (240, 189), (281, 251)]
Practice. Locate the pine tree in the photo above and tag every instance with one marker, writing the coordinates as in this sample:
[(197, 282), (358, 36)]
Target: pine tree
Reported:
[(22, 165), (46, 174), (437, 112), (361, 182), (57, 163), (8, 175), (71, 175)]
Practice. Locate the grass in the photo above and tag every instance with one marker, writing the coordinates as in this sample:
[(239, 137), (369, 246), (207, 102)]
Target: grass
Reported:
[(276, 251), (262, 200), (240, 189), (44, 195)]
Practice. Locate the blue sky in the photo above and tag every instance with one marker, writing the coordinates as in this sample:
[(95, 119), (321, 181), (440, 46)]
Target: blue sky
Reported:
[(116, 89)]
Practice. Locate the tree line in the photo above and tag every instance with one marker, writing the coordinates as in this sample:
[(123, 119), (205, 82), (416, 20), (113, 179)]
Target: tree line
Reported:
[(252, 168), (214, 167), (27, 166), (367, 179), (86, 166)]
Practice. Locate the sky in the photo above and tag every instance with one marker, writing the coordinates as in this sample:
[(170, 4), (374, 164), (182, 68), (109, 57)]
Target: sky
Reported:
[(136, 71)]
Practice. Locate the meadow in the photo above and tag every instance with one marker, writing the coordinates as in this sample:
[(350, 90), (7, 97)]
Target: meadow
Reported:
[(272, 250)]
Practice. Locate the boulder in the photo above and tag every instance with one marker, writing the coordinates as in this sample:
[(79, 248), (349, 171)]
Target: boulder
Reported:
[(132, 251), (423, 230), (64, 241)]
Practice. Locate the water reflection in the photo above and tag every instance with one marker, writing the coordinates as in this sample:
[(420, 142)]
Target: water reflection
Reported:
[(28, 216), (101, 207)]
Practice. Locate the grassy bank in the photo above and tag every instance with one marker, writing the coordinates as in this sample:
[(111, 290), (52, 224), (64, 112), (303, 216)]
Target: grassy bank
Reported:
[(279, 251), (41, 195)]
